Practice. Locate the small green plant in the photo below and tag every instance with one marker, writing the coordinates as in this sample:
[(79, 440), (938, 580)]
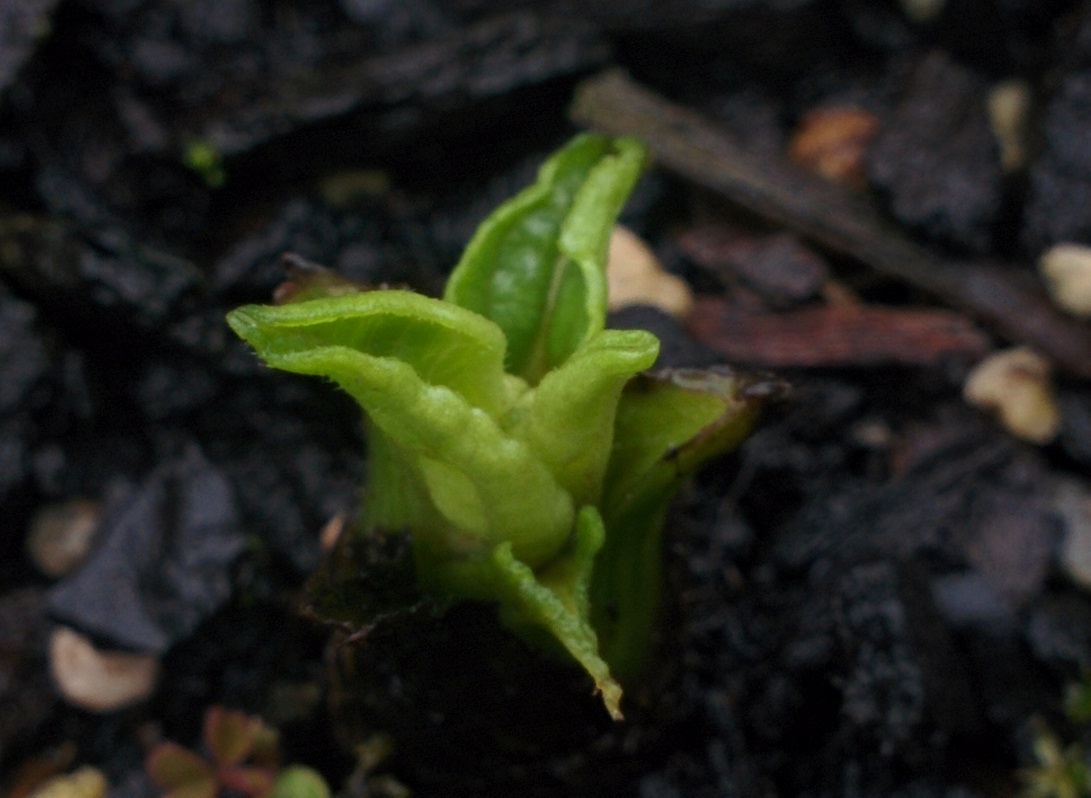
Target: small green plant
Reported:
[(509, 432), (1061, 772), (203, 158), (241, 757), (300, 781)]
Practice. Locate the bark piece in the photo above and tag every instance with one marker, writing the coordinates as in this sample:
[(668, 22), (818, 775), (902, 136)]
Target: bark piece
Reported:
[(779, 268), (835, 336)]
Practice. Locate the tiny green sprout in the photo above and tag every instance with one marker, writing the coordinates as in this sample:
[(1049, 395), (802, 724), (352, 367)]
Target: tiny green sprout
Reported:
[(1061, 772), (525, 448), (300, 781), (241, 756), (1077, 700), (203, 158)]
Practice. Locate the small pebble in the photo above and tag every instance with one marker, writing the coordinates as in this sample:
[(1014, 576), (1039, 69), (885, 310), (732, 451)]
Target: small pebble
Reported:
[(1015, 385), (635, 277), (99, 681), (1067, 271), (86, 782), (1009, 103), (61, 535), (922, 11), (331, 532)]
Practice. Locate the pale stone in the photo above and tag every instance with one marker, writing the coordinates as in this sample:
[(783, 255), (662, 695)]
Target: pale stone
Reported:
[(922, 11), (86, 782), (1067, 271), (99, 681), (1009, 105), (635, 277), (61, 535), (1015, 386)]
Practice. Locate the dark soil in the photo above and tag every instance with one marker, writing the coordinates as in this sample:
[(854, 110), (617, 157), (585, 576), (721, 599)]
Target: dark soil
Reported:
[(867, 599)]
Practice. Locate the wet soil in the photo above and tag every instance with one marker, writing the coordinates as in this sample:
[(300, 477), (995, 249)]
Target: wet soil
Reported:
[(879, 594)]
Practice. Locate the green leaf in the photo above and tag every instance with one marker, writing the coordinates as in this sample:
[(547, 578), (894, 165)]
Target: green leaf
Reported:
[(536, 265), (255, 782), (668, 424), (445, 344), (570, 421), (180, 772), (409, 363), (507, 434), (556, 599), (229, 734), (299, 781)]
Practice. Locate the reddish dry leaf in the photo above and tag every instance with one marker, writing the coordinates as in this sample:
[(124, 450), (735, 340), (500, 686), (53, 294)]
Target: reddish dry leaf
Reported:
[(835, 336), (251, 781), (832, 141)]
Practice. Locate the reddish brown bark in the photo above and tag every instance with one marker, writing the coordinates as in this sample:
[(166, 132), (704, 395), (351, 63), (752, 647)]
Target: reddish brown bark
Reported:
[(835, 335)]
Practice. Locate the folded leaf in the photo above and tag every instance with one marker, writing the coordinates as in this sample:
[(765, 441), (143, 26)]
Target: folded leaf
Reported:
[(570, 421), (179, 772), (536, 265), (445, 344), (668, 424), (556, 599), (440, 448), (507, 433)]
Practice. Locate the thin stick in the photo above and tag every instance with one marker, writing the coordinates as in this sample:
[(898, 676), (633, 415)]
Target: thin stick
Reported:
[(686, 143)]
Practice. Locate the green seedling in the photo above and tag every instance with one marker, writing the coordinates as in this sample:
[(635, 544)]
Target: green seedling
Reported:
[(522, 445), (1061, 771), (203, 158), (241, 757), (300, 781)]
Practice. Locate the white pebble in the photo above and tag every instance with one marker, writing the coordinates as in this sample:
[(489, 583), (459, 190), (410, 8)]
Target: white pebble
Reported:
[(1009, 104), (61, 535), (635, 277), (1067, 271), (922, 11), (99, 681), (86, 782), (1015, 385)]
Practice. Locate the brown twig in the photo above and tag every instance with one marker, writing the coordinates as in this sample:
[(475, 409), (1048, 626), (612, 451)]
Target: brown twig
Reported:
[(697, 149)]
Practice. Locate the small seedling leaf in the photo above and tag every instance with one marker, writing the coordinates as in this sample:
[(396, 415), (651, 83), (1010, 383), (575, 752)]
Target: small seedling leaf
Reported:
[(180, 772)]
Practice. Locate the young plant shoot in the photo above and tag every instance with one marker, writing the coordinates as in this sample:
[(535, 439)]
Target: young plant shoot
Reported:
[(514, 437)]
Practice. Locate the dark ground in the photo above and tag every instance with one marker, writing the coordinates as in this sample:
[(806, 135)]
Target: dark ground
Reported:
[(867, 600)]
